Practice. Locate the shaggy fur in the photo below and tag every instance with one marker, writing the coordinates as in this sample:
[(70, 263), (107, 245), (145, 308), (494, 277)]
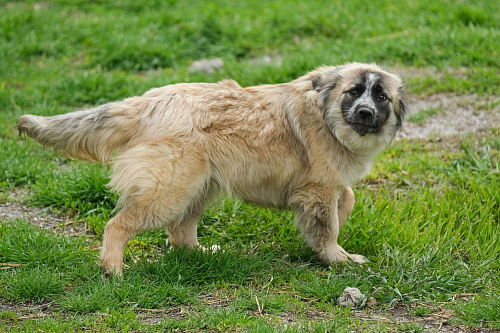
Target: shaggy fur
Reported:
[(299, 144)]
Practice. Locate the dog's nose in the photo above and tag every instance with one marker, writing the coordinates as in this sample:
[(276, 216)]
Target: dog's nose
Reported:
[(365, 114)]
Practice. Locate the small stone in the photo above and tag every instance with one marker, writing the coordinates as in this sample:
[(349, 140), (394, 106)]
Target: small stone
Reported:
[(267, 60), (208, 66), (350, 297), (371, 301)]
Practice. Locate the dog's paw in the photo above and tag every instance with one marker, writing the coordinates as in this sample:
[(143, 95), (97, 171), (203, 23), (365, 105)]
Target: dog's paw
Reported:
[(357, 258), (111, 271), (106, 274), (336, 254)]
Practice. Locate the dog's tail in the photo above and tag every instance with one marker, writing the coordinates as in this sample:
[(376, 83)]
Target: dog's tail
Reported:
[(87, 135)]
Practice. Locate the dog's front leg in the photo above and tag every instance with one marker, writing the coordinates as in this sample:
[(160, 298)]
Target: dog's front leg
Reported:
[(317, 215)]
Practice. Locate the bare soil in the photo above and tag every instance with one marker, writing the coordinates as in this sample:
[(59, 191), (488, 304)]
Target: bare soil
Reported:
[(15, 206), (460, 114), (457, 116)]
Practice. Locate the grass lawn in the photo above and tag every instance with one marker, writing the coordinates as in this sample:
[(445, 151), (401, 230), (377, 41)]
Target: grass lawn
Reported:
[(427, 216)]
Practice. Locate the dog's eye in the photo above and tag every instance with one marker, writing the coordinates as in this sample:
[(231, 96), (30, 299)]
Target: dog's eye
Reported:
[(353, 93), (381, 97)]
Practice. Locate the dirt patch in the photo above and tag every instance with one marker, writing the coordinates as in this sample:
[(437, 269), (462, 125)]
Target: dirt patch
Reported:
[(409, 72), (399, 319), (14, 206), (22, 311), (156, 316), (455, 115), (458, 114), (394, 319)]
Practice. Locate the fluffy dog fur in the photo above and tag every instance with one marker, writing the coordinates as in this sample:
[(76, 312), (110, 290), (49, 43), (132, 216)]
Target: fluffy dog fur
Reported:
[(299, 144)]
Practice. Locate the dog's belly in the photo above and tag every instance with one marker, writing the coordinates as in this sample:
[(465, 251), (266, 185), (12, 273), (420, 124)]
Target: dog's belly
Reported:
[(263, 195), (255, 168), (265, 186)]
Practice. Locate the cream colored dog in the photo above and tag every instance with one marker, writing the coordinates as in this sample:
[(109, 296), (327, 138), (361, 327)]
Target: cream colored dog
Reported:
[(299, 144)]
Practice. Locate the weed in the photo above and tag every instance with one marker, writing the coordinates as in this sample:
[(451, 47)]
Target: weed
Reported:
[(421, 311)]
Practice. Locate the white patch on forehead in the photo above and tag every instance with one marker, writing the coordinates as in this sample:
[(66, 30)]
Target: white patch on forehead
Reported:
[(371, 78)]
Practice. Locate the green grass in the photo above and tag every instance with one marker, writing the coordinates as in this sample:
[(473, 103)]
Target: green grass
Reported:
[(421, 116), (483, 311), (31, 285), (427, 217)]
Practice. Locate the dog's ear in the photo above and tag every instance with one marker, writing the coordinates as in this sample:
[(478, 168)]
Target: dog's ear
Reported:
[(325, 82), (401, 108), (402, 104), (316, 83), (326, 79)]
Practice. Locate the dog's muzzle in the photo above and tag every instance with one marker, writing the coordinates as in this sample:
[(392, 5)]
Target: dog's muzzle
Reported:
[(364, 120)]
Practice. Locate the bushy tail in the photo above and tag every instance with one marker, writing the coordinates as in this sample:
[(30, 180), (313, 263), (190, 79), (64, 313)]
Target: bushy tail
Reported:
[(87, 135)]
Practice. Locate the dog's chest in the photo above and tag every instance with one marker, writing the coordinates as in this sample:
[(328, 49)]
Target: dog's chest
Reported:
[(353, 170), (333, 168)]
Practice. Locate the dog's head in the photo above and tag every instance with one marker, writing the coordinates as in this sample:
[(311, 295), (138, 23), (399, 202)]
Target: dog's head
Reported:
[(362, 105)]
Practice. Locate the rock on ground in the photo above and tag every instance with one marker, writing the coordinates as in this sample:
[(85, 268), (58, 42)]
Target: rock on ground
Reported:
[(350, 297), (208, 66)]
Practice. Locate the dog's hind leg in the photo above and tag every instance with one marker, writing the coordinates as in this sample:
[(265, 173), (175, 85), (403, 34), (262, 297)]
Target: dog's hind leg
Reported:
[(184, 232), (318, 216), (119, 230), (158, 184)]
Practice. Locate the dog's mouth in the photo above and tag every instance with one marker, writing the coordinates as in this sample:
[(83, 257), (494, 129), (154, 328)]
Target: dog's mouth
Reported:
[(364, 129)]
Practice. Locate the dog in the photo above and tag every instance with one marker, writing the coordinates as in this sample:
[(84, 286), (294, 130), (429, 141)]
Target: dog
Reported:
[(300, 144)]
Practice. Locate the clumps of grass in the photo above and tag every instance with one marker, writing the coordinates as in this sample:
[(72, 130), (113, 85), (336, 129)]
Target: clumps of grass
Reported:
[(484, 310), (22, 243), (410, 327), (480, 80), (8, 316), (106, 321), (193, 268), (421, 311), (19, 166), (136, 291), (80, 190), (471, 16), (483, 160), (5, 197), (33, 285), (423, 115)]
